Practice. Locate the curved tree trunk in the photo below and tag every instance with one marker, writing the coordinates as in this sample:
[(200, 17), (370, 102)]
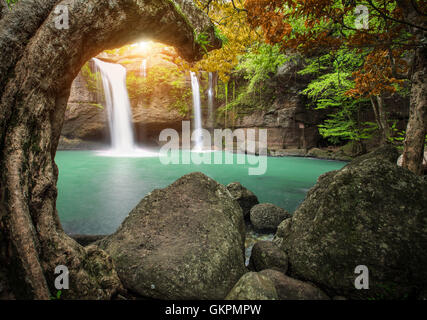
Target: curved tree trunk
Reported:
[(37, 66)]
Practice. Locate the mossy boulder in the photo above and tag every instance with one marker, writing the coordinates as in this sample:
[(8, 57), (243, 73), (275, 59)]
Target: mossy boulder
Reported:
[(253, 286), (266, 217), (182, 242), (246, 198), (370, 213)]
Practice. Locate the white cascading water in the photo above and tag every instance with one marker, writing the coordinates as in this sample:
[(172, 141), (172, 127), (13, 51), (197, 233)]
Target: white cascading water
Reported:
[(210, 100), (144, 68), (118, 106), (198, 143)]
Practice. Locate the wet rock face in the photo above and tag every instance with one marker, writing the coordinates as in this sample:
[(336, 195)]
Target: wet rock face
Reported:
[(288, 121), (246, 198), (292, 289), (370, 213), (182, 242), (83, 118), (266, 217), (253, 286)]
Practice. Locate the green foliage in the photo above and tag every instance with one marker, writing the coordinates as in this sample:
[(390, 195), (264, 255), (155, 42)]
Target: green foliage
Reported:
[(257, 66), (398, 136), (92, 78), (202, 39), (58, 296), (260, 63), (11, 2), (221, 36), (169, 80), (327, 91)]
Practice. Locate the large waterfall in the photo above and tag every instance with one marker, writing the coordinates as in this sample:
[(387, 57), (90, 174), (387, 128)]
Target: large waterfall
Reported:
[(198, 143), (118, 106)]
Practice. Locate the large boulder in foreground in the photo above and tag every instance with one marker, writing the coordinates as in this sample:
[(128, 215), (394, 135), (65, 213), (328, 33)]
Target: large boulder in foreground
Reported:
[(182, 242), (246, 198), (266, 217), (370, 213)]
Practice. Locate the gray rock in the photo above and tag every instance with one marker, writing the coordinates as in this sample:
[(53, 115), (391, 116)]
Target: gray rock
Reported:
[(370, 213), (267, 255), (253, 286), (246, 198), (292, 289), (182, 242), (267, 216)]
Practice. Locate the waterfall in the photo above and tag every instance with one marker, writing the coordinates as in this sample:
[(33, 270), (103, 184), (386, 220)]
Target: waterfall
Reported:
[(210, 101), (144, 68), (118, 106), (198, 145)]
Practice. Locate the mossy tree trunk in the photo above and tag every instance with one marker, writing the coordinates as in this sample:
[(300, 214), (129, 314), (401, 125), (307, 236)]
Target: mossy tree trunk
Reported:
[(38, 63)]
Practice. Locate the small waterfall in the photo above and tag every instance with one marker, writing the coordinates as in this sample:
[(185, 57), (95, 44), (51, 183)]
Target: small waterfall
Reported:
[(118, 106), (144, 68), (210, 101), (197, 112)]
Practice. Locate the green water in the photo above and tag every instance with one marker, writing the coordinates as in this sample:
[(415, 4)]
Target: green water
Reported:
[(96, 193)]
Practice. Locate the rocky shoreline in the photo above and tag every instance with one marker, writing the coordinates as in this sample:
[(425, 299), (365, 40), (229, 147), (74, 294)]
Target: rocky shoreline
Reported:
[(178, 241)]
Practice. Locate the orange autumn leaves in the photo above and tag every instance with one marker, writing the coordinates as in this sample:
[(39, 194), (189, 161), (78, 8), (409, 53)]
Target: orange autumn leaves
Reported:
[(377, 77), (316, 26)]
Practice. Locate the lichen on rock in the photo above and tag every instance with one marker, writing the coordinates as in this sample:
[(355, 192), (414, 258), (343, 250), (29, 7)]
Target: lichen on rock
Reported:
[(182, 242), (370, 213)]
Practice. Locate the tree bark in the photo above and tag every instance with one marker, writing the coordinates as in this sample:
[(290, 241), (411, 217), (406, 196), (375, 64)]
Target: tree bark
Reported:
[(3, 8), (417, 124), (381, 118), (38, 63)]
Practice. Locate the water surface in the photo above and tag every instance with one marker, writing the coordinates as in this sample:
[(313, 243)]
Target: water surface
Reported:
[(96, 193)]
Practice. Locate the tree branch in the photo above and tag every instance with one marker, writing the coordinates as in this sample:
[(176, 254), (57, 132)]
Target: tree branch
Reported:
[(238, 9), (393, 19)]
